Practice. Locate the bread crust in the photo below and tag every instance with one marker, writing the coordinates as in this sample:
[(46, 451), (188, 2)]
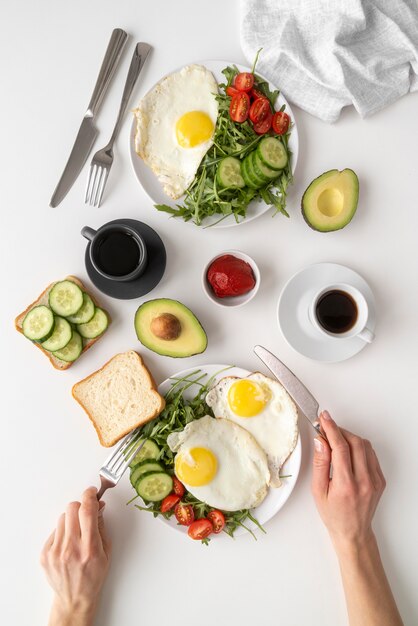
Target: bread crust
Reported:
[(153, 387), (57, 363)]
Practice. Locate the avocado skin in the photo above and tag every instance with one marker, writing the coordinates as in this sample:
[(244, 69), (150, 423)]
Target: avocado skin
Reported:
[(167, 347), (339, 225)]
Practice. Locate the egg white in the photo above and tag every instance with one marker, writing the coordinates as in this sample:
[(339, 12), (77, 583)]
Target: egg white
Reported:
[(275, 428), (193, 88), (242, 477)]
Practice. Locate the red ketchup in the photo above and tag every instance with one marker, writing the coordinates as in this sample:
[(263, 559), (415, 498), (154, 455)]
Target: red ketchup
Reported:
[(229, 276)]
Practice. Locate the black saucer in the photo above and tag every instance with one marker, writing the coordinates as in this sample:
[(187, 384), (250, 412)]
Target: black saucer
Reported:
[(152, 275)]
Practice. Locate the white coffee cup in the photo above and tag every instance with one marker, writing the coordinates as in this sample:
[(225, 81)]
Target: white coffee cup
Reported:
[(359, 328)]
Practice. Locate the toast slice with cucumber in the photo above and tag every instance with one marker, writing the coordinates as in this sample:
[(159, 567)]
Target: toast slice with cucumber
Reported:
[(63, 322)]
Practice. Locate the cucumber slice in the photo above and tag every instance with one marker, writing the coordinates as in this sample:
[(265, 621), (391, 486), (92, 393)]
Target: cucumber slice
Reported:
[(272, 153), (228, 173), (261, 178), (60, 337), (248, 178), (154, 486), (72, 350), (262, 170), (257, 180), (65, 298), (38, 323), (144, 468), (149, 450), (85, 313), (96, 326)]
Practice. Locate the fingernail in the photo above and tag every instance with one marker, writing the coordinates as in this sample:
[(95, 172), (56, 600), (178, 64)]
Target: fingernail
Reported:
[(326, 415), (319, 447)]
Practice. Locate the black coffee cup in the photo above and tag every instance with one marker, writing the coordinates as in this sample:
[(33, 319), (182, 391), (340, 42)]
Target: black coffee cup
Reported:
[(117, 251)]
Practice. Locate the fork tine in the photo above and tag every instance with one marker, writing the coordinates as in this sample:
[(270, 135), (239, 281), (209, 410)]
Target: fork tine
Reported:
[(90, 182), (125, 460), (103, 185), (102, 171), (96, 183), (115, 454)]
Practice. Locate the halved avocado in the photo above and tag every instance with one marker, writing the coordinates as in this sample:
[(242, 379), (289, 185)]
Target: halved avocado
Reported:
[(169, 328), (330, 201)]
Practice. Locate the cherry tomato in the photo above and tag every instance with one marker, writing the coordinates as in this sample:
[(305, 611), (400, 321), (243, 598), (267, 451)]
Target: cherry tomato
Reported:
[(259, 110), (178, 487), (231, 91), (184, 514), (244, 81), (264, 125), (239, 107), (218, 520), (281, 122), (256, 93), (169, 502), (200, 529)]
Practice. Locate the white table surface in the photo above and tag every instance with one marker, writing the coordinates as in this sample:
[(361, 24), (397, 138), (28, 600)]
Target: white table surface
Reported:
[(50, 54)]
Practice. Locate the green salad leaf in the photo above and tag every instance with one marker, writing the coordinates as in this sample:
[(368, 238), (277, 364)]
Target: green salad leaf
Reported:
[(204, 198), (177, 413)]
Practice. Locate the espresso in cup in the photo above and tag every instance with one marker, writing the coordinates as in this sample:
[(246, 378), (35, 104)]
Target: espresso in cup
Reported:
[(336, 311), (116, 251), (341, 311)]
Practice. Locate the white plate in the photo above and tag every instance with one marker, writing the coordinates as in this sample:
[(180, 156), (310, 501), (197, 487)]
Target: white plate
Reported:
[(294, 321), (152, 186), (275, 498)]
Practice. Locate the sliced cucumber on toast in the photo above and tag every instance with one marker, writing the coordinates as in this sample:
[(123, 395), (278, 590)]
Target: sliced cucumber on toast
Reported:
[(65, 298), (96, 326), (72, 350), (85, 313), (38, 324), (60, 337)]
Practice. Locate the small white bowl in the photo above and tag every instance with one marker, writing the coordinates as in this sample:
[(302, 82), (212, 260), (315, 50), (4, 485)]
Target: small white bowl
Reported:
[(232, 301)]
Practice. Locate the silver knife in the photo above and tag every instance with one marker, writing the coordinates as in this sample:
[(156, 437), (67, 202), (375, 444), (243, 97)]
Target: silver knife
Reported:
[(88, 132), (302, 396)]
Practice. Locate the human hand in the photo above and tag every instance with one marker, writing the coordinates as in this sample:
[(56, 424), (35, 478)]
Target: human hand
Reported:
[(76, 560), (347, 502)]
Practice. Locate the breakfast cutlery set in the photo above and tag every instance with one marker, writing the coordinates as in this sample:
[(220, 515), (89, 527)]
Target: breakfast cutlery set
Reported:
[(102, 161)]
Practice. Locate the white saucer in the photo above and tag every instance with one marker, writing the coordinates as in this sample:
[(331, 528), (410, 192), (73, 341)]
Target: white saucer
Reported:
[(293, 306)]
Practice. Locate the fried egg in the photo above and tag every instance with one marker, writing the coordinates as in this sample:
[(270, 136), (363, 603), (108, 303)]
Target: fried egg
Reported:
[(175, 124), (220, 463), (263, 407)]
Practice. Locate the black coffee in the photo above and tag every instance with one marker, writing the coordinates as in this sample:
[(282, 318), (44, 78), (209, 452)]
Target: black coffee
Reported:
[(336, 311), (118, 253)]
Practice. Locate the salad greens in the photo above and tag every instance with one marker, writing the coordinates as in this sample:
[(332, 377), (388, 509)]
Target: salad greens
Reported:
[(177, 414), (204, 198)]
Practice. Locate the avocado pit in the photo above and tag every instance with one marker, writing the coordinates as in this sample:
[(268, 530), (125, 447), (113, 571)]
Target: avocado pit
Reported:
[(166, 326)]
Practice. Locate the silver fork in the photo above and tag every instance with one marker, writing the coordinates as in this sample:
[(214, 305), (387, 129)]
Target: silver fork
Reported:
[(103, 159), (118, 462)]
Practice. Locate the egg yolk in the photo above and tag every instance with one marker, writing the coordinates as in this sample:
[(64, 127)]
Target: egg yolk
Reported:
[(193, 128), (196, 467), (246, 398)]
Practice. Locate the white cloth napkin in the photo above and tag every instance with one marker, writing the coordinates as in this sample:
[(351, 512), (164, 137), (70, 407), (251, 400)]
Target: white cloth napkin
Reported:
[(327, 54)]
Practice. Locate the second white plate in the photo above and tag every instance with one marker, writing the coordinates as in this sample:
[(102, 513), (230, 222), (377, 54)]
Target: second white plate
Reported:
[(275, 498), (152, 186)]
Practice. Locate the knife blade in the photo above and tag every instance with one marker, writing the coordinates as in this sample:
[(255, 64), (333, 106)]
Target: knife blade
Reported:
[(307, 404), (88, 132)]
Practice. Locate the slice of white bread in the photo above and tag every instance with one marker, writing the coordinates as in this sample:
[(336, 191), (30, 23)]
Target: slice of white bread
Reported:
[(44, 299), (119, 397)]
